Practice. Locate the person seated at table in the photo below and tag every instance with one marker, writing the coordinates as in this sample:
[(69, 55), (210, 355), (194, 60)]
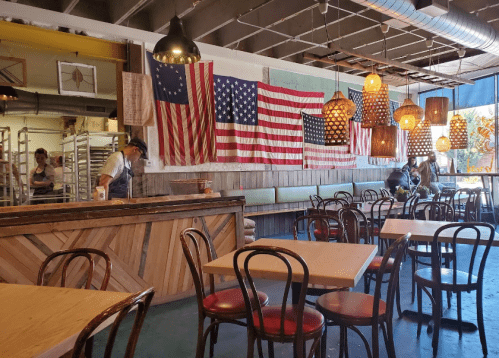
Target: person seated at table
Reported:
[(42, 177), (411, 168), (429, 170)]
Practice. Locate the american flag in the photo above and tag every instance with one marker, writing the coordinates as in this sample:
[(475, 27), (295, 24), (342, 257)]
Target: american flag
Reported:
[(318, 156), (185, 112), (259, 123), (360, 138)]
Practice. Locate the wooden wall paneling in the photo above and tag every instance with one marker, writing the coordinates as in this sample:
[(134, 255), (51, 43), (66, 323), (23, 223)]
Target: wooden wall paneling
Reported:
[(53, 241), (22, 262), (125, 278), (177, 258), (156, 261)]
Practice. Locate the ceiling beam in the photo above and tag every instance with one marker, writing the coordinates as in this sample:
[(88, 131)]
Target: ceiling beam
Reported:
[(386, 61), (68, 5), (160, 15), (311, 56), (120, 11)]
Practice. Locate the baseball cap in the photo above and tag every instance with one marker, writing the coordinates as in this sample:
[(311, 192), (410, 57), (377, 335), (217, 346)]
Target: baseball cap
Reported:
[(139, 143)]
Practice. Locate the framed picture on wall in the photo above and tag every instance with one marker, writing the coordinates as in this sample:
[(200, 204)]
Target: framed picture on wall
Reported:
[(76, 79)]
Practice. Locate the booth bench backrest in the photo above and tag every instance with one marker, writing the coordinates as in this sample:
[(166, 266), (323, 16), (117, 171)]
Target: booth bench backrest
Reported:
[(261, 196), (328, 191), (358, 187)]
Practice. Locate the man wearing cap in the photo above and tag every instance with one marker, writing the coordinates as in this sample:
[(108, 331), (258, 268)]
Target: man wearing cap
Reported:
[(115, 175)]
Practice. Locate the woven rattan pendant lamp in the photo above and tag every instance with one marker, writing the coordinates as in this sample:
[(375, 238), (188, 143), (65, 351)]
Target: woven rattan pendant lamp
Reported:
[(337, 112), (419, 142), (443, 144), (436, 110), (409, 113), (458, 133), (384, 142)]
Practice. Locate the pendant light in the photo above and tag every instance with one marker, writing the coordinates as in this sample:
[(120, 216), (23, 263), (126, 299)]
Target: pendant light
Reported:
[(409, 113), (436, 110), (8, 93), (458, 133), (372, 83), (337, 111), (419, 142), (384, 142), (176, 48), (443, 144)]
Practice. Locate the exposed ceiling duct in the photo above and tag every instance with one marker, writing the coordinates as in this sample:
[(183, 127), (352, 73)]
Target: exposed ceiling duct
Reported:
[(457, 25), (30, 103)]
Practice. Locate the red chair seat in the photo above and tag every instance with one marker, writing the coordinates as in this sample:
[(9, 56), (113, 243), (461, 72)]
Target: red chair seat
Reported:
[(376, 263), (320, 235), (424, 276), (349, 306), (375, 231), (230, 301), (313, 320)]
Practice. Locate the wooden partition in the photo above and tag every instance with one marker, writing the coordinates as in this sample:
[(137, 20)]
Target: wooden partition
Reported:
[(158, 183), (141, 238)]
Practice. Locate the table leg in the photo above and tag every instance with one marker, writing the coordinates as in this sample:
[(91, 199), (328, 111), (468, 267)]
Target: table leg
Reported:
[(295, 292)]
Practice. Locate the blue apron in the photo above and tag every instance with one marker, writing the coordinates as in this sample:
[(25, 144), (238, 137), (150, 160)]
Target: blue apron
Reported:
[(119, 187)]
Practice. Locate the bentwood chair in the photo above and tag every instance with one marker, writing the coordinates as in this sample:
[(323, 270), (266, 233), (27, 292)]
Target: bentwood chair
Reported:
[(380, 210), (319, 226), (138, 303), (355, 225), (284, 322), (315, 200), (384, 193), (351, 309), (435, 211), (368, 195), (438, 278), (467, 205), (226, 306), (447, 195), (329, 206), (344, 195), (409, 207), (67, 256)]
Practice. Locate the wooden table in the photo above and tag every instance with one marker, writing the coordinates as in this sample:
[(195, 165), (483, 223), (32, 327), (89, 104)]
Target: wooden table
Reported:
[(333, 264), (423, 230), (45, 321)]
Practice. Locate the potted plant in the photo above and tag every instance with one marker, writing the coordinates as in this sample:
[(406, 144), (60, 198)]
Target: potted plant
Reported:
[(402, 195), (423, 191)]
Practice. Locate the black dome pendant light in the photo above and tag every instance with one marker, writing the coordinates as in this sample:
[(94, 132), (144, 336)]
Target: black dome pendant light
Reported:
[(176, 47), (8, 93)]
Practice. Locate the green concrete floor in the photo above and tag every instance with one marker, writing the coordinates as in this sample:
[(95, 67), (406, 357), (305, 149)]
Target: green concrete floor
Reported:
[(170, 329)]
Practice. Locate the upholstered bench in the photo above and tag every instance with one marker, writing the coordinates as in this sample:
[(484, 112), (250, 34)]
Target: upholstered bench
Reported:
[(328, 191), (358, 187)]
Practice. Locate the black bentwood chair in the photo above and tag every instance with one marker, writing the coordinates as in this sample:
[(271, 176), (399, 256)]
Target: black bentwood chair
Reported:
[(438, 278), (284, 322), (344, 195), (351, 309), (225, 306)]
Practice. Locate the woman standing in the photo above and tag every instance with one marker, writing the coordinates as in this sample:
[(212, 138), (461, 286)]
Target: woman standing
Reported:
[(42, 177)]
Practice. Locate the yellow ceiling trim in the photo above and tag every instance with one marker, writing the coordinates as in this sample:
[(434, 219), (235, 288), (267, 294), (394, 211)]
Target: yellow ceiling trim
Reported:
[(62, 42)]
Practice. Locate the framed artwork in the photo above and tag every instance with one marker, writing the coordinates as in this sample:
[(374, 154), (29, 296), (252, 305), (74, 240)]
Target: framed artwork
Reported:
[(12, 71), (76, 79)]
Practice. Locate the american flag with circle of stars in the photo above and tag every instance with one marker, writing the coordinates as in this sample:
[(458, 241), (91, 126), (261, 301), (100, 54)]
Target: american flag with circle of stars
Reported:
[(185, 111), (318, 156)]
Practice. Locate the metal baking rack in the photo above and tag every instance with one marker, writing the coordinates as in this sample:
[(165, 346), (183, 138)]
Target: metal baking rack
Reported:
[(6, 179)]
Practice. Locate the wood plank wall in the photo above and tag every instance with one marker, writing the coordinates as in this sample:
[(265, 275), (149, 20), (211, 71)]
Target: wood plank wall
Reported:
[(154, 184)]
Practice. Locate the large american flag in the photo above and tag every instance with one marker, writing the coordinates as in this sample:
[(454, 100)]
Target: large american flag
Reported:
[(185, 112), (360, 138), (260, 123), (318, 156)]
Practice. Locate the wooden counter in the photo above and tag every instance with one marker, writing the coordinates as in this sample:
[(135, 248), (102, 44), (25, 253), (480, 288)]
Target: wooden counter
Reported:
[(141, 237)]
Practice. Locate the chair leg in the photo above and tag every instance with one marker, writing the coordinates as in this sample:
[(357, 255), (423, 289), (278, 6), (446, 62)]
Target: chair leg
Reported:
[(89, 345), (437, 316), (323, 344), (342, 341), (459, 315), (397, 296), (213, 339), (412, 277), (251, 345), (375, 340), (420, 309), (479, 314), (200, 344), (271, 349), (367, 282)]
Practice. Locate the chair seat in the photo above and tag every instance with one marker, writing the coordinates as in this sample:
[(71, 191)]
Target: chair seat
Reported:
[(376, 263), (313, 320), (374, 231), (424, 250), (349, 307), (424, 277), (320, 234), (230, 302)]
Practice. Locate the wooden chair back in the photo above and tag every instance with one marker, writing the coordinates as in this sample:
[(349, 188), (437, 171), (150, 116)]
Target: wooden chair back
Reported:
[(91, 256), (479, 231), (447, 195), (319, 226), (384, 193), (355, 225), (283, 255), (433, 210), (322, 206), (315, 200), (344, 195), (409, 207), (369, 195), (139, 303), (203, 246)]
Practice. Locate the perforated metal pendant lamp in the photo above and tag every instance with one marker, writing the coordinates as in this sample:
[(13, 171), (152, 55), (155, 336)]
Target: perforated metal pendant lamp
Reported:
[(336, 112), (176, 48), (458, 133), (436, 110), (8, 93), (419, 142), (384, 142), (443, 144)]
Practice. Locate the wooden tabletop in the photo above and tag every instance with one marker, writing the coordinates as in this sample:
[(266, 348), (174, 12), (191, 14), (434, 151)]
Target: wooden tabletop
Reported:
[(45, 321), (423, 230), (334, 264)]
